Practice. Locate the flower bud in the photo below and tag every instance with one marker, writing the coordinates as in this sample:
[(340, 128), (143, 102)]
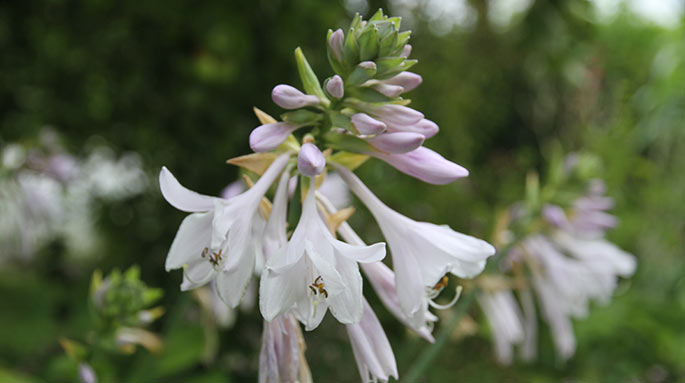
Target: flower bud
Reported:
[(406, 51), (555, 215), (266, 138), (364, 71), (366, 124), (388, 90), (335, 87), (407, 80), (86, 374), (288, 97), (396, 114), (425, 127), (400, 142), (335, 44), (426, 165), (310, 160)]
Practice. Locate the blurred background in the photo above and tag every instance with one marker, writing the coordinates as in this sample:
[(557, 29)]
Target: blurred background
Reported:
[(97, 95)]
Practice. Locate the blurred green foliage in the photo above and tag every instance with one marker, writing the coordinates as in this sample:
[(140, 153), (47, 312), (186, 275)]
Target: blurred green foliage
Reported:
[(176, 81)]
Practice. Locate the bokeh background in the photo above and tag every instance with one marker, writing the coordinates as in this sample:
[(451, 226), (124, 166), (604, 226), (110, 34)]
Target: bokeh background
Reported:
[(128, 86)]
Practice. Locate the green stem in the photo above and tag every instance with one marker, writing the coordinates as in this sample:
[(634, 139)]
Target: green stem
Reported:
[(432, 351)]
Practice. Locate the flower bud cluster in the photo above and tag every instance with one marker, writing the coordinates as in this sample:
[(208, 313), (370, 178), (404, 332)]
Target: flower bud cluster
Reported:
[(361, 109)]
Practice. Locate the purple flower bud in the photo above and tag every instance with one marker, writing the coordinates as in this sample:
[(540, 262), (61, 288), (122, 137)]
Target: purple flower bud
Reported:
[(388, 90), (335, 87), (366, 124), (292, 185), (426, 127), (426, 165), (288, 97), (406, 50), (86, 374), (367, 65), (400, 142), (554, 215), (267, 137), (396, 114), (407, 80), (335, 43), (310, 160)]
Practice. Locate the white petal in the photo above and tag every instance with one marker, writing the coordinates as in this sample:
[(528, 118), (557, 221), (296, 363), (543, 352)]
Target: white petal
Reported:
[(363, 254), (198, 273), (410, 287), (279, 290), (180, 197), (347, 306), (275, 232), (232, 284), (323, 259), (371, 347), (192, 237)]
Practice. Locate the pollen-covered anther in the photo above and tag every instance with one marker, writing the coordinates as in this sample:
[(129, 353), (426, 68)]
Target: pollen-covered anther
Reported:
[(318, 287)]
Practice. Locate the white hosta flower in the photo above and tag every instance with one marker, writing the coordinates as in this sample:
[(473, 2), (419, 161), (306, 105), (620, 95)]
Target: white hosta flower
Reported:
[(568, 272), (281, 358), (371, 348), (505, 320), (422, 252), (314, 272), (221, 239), (381, 277)]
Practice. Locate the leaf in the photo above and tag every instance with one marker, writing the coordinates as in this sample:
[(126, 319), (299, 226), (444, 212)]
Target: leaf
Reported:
[(351, 49), (263, 117), (310, 82), (255, 162), (368, 44), (302, 117), (349, 160)]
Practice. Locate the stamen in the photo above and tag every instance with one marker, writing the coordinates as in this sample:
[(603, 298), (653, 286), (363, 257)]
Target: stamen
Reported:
[(450, 304)]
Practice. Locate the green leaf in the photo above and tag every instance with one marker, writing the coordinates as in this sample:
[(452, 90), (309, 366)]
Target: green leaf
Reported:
[(400, 68), (309, 80), (387, 64), (302, 117), (387, 45), (377, 16), (351, 49), (368, 44), (356, 22), (368, 95), (347, 142), (339, 120), (348, 160), (359, 75)]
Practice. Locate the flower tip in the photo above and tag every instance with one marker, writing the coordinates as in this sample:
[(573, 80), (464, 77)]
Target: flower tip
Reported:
[(310, 160), (288, 97), (335, 87)]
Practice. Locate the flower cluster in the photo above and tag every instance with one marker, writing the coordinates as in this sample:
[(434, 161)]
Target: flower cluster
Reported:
[(561, 257), (330, 127)]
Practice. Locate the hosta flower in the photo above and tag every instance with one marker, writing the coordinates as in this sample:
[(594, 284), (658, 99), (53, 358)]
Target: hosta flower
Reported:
[(281, 358), (381, 277), (425, 164), (422, 252), (221, 238), (314, 272), (505, 320), (371, 348)]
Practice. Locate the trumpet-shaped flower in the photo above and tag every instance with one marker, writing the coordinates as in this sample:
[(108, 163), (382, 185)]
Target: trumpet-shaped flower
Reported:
[(314, 272), (371, 348), (281, 358), (220, 239), (505, 320), (422, 252)]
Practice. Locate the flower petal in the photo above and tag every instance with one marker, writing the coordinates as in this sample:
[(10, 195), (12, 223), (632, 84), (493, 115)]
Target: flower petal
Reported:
[(180, 197), (192, 238)]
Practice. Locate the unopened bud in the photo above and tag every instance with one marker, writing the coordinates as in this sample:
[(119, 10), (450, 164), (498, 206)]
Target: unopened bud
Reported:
[(407, 80), (388, 90), (400, 142), (288, 97), (396, 114), (366, 124), (266, 138), (86, 374), (335, 43), (425, 127), (425, 165), (310, 160), (335, 87)]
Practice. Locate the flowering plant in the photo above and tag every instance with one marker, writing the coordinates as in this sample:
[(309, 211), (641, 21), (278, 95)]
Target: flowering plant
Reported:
[(333, 126)]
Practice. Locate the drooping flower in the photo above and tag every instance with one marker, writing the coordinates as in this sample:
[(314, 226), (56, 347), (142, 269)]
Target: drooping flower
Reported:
[(371, 348), (314, 272), (220, 239), (505, 320), (281, 358), (422, 252)]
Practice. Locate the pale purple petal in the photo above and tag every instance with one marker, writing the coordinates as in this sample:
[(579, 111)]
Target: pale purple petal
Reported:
[(266, 138), (288, 97), (407, 80), (366, 124), (310, 160), (335, 87), (425, 127), (372, 351), (335, 43), (425, 165), (397, 143)]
